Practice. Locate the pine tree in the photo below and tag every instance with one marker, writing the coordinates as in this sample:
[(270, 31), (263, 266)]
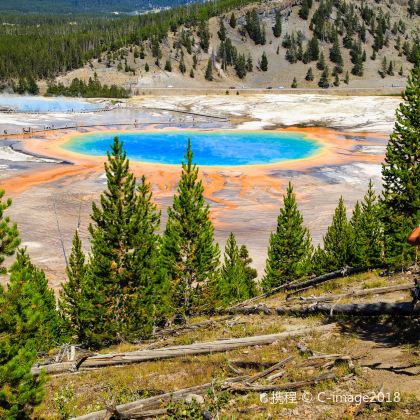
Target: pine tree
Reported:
[(390, 70), (168, 65), (192, 74), (112, 279), (72, 293), (146, 68), (294, 83), (9, 235), (277, 25), (189, 255), (147, 297), (264, 62), (233, 284), (368, 234), (384, 69), (182, 67), (209, 71), (324, 81), (338, 240), (336, 81), (249, 64), (240, 66), (335, 53), (400, 202), (251, 273), (232, 21), (221, 33), (290, 246), (320, 65), (309, 75), (347, 78), (29, 324)]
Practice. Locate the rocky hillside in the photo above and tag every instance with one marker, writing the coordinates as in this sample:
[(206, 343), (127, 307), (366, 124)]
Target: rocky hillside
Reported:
[(278, 43)]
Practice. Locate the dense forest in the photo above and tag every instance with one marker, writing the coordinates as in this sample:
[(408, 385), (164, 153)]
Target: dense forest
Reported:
[(85, 6), (44, 46)]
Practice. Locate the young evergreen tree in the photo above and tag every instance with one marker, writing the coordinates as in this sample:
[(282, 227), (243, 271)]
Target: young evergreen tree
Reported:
[(232, 20), (221, 33), (338, 240), (335, 53), (294, 83), (309, 75), (209, 71), (347, 78), (367, 231), (182, 67), (190, 256), (72, 293), (9, 235), (277, 25), (168, 65), (290, 246), (251, 273), (320, 65), (29, 324), (400, 202), (192, 74), (324, 81), (336, 80), (264, 62), (233, 284)]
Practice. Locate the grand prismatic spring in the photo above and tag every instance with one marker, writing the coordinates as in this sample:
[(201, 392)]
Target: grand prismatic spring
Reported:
[(211, 148)]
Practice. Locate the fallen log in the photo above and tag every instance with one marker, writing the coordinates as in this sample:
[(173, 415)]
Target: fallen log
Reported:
[(298, 284), (344, 272), (357, 293), (103, 360), (358, 309)]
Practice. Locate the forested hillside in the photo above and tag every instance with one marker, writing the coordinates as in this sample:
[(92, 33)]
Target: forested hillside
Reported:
[(294, 43)]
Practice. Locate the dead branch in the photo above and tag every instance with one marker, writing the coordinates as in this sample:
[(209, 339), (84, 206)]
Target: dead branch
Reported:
[(269, 370)]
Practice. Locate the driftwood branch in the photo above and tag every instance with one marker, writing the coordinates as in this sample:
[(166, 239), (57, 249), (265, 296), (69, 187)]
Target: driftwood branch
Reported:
[(271, 369), (103, 360), (356, 293), (358, 309)]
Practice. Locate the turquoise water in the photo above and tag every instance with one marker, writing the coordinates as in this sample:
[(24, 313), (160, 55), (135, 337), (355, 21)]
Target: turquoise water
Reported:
[(40, 104), (211, 148)]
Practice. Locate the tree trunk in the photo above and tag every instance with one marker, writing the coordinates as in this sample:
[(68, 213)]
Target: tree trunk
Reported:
[(358, 309)]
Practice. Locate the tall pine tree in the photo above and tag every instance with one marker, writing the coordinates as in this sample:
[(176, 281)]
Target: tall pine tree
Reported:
[(72, 293), (290, 246), (400, 202), (338, 240), (189, 255), (123, 264)]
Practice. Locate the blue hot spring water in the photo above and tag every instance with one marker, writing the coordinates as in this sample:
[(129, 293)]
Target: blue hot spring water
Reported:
[(210, 148), (40, 104)]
